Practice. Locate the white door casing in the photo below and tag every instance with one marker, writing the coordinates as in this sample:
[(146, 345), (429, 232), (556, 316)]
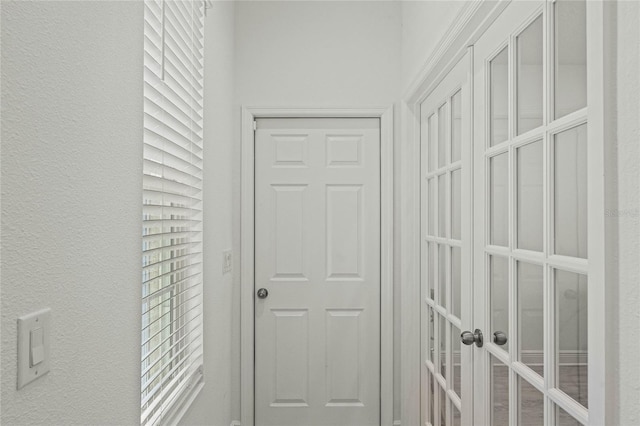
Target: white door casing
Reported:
[(317, 245), (339, 317)]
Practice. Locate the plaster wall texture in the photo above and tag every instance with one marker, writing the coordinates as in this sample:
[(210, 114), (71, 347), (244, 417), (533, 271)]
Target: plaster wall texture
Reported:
[(424, 23), (214, 403), (71, 190)]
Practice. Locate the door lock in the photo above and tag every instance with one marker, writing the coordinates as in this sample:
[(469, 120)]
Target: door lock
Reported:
[(469, 338)]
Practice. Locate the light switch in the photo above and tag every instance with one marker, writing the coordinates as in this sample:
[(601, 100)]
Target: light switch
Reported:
[(33, 346), (36, 347)]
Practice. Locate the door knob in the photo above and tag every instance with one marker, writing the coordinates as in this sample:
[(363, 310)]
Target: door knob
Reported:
[(263, 293), (499, 338), (469, 338)]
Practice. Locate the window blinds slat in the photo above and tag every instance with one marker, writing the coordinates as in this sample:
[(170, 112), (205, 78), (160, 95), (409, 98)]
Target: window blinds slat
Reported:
[(164, 128), (154, 414), (171, 339), (190, 337), (152, 154), (164, 289), (157, 358), (148, 340), (171, 146), (179, 386), (171, 104), (184, 337)]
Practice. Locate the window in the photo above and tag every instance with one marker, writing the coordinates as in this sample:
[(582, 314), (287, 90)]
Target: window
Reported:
[(171, 355)]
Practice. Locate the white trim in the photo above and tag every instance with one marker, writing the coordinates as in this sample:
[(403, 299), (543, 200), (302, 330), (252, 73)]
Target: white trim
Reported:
[(249, 114), (472, 20), (602, 263)]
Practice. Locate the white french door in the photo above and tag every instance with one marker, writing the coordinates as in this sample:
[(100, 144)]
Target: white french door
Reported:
[(446, 372), (531, 264), (511, 211)]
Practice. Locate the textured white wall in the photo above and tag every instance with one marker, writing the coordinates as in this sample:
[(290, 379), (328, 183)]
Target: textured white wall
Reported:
[(625, 214), (423, 25), (71, 206), (320, 54), (213, 405)]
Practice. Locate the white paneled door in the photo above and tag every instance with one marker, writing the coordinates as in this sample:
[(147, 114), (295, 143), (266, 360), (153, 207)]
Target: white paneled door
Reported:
[(317, 271)]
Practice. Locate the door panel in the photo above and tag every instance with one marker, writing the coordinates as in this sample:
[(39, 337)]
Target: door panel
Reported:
[(317, 252), (530, 228), (446, 249)]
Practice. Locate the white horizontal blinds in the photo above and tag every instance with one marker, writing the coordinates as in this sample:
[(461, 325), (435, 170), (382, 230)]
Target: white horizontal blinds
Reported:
[(172, 205)]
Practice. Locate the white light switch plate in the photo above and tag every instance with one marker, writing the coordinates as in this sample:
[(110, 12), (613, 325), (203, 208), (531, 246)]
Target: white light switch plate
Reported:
[(227, 261), (33, 346)]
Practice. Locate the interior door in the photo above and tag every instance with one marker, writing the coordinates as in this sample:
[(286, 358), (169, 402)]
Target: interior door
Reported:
[(317, 272), (531, 266), (446, 266)]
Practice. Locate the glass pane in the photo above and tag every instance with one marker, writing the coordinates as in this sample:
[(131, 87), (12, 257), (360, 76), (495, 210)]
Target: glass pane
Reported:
[(530, 404), (456, 126), (571, 334), (530, 316), (442, 135), (430, 397), (570, 192), (442, 276), (443, 346), (571, 56), (433, 141), (442, 205), (499, 267), (530, 196), (431, 206), (457, 418), (564, 419), (499, 200), (443, 407), (455, 352), (432, 346), (456, 208), (499, 109), (431, 269), (529, 77), (499, 393), (455, 281)]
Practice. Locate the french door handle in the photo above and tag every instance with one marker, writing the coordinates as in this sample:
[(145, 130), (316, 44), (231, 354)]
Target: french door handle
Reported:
[(469, 338), (499, 338)]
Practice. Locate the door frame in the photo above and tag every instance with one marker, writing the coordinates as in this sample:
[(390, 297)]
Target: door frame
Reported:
[(467, 27), (247, 247)]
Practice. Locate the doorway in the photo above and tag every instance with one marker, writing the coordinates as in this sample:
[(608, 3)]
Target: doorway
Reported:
[(303, 310)]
